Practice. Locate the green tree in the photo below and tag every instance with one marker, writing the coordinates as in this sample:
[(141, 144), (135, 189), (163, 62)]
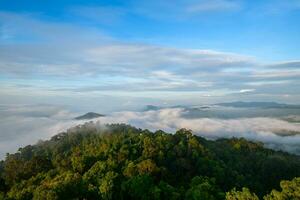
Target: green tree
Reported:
[(106, 188), (203, 188), (67, 185), (147, 167), (290, 191), (245, 194), (122, 162), (139, 187)]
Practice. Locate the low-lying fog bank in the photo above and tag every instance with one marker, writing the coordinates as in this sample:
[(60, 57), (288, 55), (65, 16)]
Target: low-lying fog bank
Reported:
[(23, 125)]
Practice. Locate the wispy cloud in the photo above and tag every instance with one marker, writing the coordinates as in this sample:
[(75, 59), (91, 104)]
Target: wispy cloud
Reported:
[(184, 10), (214, 6), (293, 64), (246, 90), (88, 61)]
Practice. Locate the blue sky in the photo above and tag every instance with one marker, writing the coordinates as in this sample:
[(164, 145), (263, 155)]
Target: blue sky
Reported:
[(128, 53)]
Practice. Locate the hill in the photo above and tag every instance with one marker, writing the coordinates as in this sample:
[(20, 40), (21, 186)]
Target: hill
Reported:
[(122, 162), (89, 115), (242, 104)]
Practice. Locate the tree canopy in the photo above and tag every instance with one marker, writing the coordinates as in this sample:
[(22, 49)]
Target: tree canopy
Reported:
[(119, 161)]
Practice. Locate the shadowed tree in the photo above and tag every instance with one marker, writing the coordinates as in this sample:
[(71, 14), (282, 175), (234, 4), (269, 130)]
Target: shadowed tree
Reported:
[(290, 191)]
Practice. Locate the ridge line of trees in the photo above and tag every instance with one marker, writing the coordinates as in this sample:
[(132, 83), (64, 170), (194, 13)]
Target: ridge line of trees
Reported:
[(118, 161)]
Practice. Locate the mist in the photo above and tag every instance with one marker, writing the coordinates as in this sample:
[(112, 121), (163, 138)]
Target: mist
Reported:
[(27, 124)]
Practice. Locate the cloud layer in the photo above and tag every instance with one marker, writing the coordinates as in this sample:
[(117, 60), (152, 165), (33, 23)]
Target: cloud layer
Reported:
[(23, 125), (60, 57), (123, 56)]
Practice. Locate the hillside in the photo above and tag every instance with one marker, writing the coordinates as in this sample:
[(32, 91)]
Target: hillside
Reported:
[(122, 162), (89, 115), (241, 104)]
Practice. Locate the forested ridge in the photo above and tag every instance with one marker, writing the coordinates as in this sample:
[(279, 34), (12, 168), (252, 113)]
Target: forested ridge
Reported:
[(119, 161)]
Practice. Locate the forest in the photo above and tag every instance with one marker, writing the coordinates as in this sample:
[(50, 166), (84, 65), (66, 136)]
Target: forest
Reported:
[(118, 161)]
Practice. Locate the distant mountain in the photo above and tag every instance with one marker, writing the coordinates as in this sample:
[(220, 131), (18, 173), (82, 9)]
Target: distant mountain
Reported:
[(241, 104), (89, 115), (151, 107)]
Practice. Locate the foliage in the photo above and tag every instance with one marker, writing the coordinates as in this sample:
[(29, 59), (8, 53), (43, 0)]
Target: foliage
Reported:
[(122, 162), (245, 194), (290, 191)]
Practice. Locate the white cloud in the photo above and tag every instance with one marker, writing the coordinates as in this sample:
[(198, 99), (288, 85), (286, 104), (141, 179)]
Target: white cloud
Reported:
[(273, 132), (92, 62), (292, 64), (23, 125), (129, 58), (58, 49), (182, 9), (261, 83), (172, 119), (278, 73), (246, 90), (27, 124)]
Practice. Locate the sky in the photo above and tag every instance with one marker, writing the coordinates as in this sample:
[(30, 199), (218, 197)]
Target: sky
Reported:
[(122, 55)]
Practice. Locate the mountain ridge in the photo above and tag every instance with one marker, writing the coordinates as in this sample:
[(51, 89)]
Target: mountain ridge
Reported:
[(257, 104), (120, 161), (89, 115)]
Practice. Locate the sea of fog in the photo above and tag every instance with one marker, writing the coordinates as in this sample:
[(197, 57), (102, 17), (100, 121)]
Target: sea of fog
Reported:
[(278, 128)]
